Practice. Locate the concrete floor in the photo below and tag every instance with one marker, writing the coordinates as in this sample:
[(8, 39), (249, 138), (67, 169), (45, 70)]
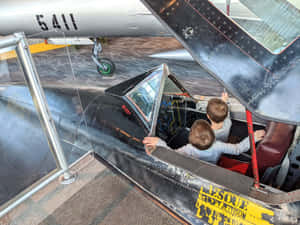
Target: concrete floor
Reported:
[(130, 56)]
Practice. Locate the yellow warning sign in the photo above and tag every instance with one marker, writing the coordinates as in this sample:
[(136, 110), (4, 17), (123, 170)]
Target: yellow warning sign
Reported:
[(216, 207)]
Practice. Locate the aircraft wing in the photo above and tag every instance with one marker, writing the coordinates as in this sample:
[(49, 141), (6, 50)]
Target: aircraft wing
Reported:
[(266, 83)]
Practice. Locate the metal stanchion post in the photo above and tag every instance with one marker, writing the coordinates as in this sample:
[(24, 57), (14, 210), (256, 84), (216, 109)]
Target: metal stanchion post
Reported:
[(39, 100)]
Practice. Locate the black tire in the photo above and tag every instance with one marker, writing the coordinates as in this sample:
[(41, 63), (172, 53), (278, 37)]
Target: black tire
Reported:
[(108, 67)]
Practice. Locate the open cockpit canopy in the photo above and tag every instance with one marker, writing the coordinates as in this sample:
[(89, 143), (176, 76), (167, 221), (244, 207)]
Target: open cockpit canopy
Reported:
[(265, 79)]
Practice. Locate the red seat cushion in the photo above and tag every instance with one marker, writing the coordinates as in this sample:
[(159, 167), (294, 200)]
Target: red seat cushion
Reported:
[(233, 165)]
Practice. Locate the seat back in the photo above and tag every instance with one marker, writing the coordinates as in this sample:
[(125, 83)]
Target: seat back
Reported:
[(275, 145), (270, 151)]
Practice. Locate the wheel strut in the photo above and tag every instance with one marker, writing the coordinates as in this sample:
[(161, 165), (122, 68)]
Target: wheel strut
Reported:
[(105, 66)]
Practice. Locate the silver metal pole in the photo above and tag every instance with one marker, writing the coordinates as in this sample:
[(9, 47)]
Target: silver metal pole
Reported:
[(9, 41), (39, 100)]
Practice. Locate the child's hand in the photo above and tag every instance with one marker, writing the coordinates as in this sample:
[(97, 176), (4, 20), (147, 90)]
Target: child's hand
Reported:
[(224, 96), (259, 135), (150, 144)]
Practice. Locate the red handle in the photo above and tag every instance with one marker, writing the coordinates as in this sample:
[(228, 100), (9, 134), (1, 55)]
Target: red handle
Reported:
[(253, 149)]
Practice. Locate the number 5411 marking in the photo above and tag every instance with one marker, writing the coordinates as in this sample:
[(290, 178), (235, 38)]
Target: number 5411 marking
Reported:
[(68, 22)]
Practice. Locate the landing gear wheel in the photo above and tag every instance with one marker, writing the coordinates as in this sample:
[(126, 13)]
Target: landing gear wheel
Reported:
[(108, 67)]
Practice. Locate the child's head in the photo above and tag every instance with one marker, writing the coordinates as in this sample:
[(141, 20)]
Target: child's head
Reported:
[(201, 135), (217, 110)]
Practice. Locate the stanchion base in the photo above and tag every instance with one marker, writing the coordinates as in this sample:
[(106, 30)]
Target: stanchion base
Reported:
[(69, 180)]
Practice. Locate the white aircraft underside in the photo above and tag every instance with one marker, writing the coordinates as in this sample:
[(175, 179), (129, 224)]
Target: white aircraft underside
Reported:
[(92, 18)]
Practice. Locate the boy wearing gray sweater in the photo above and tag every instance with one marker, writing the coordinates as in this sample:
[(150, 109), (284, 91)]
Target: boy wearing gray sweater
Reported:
[(217, 112)]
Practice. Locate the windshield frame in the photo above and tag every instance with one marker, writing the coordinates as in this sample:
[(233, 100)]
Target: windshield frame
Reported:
[(151, 123)]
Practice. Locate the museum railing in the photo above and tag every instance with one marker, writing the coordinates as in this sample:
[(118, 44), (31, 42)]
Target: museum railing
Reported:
[(28, 106)]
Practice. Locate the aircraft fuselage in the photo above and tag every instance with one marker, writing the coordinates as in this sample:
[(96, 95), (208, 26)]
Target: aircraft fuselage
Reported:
[(90, 18)]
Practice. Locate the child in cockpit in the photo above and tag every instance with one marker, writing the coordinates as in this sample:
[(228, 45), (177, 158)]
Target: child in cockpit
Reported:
[(203, 144), (217, 112)]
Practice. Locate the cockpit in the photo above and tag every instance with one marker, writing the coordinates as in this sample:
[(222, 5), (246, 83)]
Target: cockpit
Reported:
[(177, 110), (167, 110)]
